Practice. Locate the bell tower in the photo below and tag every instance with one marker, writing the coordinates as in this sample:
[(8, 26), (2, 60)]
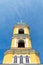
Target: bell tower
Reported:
[(21, 51), (21, 37)]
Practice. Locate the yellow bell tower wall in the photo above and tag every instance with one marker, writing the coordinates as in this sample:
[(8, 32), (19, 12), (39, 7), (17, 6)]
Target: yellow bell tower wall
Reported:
[(26, 30), (14, 43), (8, 59), (34, 59)]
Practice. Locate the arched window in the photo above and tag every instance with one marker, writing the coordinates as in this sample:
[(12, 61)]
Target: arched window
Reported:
[(21, 59), (21, 43), (15, 59), (21, 31), (27, 59)]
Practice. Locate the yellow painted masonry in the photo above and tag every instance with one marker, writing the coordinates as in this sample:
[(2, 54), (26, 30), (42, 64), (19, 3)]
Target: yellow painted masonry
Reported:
[(15, 43), (38, 59), (15, 30), (7, 59), (12, 43), (27, 31), (34, 58), (29, 43)]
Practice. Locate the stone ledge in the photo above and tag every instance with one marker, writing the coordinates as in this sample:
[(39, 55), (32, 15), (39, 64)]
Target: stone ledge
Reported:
[(21, 64), (21, 36), (21, 51)]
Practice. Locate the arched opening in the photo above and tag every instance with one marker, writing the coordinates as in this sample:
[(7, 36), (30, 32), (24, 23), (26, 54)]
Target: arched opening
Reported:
[(21, 59), (21, 43), (21, 31), (27, 59), (15, 59)]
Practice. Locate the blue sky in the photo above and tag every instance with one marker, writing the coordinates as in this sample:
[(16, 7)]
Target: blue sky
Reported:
[(11, 12)]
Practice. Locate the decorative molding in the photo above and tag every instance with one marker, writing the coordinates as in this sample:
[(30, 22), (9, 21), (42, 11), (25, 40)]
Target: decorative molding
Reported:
[(21, 51), (21, 36)]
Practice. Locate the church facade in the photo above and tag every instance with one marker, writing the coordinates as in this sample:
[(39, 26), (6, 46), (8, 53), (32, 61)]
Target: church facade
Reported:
[(21, 51)]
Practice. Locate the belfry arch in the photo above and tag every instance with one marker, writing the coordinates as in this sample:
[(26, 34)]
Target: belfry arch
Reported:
[(21, 43), (21, 31)]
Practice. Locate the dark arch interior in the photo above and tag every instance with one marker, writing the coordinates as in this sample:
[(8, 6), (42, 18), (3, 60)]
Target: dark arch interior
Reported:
[(21, 43), (21, 31)]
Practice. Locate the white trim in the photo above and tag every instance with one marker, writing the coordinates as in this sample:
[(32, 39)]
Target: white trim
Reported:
[(26, 42), (13, 60), (17, 30), (18, 59), (24, 60), (15, 44)]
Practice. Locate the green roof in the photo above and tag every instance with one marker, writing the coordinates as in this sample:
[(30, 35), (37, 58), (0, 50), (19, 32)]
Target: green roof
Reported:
[(21, 22)]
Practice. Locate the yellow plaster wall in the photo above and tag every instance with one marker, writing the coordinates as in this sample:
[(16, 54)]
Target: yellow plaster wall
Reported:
[(34, 58), (29, 43), (27, 31), (15, 31), (7, 59), (14, 42), (38, 59)]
